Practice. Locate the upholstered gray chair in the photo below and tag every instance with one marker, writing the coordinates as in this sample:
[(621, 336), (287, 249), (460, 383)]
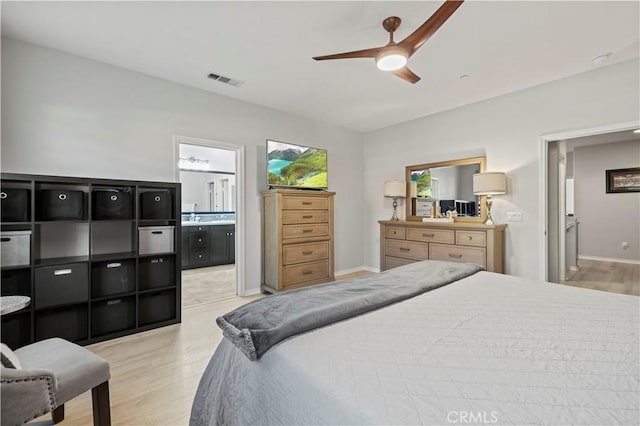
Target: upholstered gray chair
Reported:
[(41, 377)]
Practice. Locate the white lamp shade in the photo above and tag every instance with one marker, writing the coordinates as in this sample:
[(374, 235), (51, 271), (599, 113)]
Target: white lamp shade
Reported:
[(490, 183), (413, 189), (395, 188)]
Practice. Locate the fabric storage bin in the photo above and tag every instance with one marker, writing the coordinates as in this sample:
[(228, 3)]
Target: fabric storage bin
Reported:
[(16, 282), (61, 284), (16, 330), (155, 239), (61, 204), (157, 306), (116, 277), (15, 248), (156, 204), (68, 323), (155, 272), (111, 204), (14, 204), (109, 316)]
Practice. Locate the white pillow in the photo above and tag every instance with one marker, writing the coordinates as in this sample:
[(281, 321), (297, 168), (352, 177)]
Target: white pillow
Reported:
[(9, 358)]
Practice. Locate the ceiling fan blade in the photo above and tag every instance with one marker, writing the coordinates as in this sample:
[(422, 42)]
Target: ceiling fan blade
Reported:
[(406, 74), (417, 38), (366, 53)]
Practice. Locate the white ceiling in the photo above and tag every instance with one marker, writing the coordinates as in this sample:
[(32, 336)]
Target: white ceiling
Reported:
[(503, 46)]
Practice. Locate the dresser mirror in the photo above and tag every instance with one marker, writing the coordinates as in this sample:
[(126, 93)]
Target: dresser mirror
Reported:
[(448, 185)]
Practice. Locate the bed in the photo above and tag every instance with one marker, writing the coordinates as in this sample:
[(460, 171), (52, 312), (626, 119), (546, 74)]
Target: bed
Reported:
[(484, 349)]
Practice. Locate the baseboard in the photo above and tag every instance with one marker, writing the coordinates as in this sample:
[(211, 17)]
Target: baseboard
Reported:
[(610, 259), (356, 269)]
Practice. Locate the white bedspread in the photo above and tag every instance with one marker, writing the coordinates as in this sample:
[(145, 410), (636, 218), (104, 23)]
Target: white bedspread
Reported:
[(489, 349)]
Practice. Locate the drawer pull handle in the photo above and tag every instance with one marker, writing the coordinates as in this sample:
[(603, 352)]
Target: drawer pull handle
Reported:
[(62, 272), (394, 232), (405, 249), (200, 239), (5, 239), (307, 272), (114, 265), (306, 203), (114, 302), (200, 256), (429, 235), (469, 238), (305, 231), (455, 256), (156, 232), (306, 253), (309, 216)]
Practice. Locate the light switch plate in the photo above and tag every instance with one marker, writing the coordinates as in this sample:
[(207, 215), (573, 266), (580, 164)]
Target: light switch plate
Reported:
[(514, 216)]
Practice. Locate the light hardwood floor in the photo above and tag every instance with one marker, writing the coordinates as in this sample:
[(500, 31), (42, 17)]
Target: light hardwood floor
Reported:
[(606, 276), (206, 285), (155, 374)]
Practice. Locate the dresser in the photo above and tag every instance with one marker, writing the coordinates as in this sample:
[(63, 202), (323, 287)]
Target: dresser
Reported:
[(402, 243), (297, 241)]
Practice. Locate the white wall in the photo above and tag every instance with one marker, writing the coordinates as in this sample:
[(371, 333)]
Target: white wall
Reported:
[(71, 116), (507, 129), (606, 220)]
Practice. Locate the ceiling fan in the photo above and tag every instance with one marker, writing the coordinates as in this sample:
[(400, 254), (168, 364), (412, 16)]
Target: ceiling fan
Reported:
[(393, 57)]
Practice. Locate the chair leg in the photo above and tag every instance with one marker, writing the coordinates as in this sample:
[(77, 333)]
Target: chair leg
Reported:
[(101, 406), (57, 415)]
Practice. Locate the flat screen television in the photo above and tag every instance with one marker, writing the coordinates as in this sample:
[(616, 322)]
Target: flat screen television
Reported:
[(294, 165)]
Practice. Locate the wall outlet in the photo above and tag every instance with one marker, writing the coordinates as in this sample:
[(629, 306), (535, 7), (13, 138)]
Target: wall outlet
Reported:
[(625, 245), (514, 216)]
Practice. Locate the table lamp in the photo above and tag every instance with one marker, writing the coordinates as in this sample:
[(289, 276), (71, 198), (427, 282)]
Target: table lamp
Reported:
[(489, 184), (395, 189)]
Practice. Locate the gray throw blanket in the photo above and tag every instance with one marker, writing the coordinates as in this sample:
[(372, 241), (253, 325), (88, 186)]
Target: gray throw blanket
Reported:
[(257, 326)]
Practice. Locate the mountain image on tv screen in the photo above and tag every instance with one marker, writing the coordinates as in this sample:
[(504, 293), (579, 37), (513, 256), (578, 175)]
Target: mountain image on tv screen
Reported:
[(296, 165)]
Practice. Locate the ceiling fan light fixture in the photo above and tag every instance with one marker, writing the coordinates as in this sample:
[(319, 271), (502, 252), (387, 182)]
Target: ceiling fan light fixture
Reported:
[(391, 60)]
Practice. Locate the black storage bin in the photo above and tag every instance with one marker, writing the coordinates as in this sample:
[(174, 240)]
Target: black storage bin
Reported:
[(109, 316), (157, 306), (16, 330), (111, 204), (61, 284), (14, 205), (116, 277), (68, 323), (61, 204), (156, 205), (156, 271), (16, 282)]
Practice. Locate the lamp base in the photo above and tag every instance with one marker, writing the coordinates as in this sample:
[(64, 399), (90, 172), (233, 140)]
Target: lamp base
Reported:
[(395, 218), (489, 220)]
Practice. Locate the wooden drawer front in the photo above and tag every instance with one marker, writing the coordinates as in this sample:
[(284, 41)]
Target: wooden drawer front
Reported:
[(298, 253), (292, 217), (431, 235), (394, 262), (305, 203), (305, 231), (305, 272), (407, 249), (396, 232), (471, 238), (462, 254)]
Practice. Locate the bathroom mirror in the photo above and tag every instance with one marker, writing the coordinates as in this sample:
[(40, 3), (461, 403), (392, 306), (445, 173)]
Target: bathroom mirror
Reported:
[(447, 184)]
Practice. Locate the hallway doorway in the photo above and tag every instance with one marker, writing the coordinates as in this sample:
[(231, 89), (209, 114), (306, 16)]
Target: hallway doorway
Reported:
[(591, 236)]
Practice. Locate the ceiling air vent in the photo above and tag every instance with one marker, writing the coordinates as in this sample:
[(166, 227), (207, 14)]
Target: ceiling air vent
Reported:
[(225, 80)]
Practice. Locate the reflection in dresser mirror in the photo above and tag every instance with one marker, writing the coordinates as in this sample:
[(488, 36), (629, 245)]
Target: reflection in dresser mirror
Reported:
[(445, 186)]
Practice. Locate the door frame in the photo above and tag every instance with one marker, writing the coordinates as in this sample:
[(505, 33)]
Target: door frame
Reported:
[(545, 140), (240, 207)]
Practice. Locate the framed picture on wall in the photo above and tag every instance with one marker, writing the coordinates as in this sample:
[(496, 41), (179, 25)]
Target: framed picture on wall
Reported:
[(623, 180)]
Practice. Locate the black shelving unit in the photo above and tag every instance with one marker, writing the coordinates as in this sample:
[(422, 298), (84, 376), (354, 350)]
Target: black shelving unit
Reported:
[(104, 286)]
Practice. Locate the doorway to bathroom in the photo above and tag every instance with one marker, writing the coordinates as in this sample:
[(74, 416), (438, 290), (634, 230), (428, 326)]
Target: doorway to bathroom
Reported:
[(210, 174)]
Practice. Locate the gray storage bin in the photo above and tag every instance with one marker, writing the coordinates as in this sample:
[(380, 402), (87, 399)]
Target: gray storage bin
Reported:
[(16, 248), (61, 285), (155, 239)]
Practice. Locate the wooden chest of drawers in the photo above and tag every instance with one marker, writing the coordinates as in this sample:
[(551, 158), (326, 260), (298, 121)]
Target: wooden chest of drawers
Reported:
[(297, 239), (407, 242)]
